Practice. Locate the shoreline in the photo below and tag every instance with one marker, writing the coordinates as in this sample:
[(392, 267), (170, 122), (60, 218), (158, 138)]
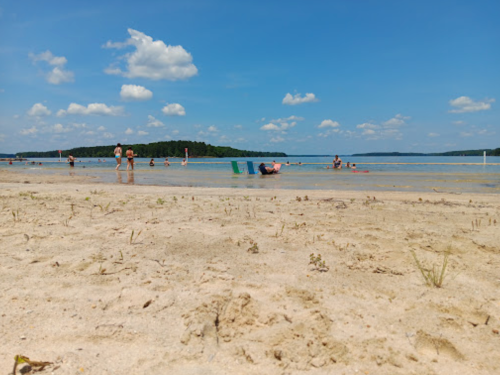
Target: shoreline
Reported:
[(113, 278)]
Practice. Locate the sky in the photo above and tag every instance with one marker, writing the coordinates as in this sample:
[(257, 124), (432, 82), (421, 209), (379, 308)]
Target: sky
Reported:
[(301, 77)]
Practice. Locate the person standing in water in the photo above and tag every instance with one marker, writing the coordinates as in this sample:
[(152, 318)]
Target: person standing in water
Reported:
[(166, 162), (337, 162), (71, 160), (130, 158), (184, 162), (152, 163), (118, 155)]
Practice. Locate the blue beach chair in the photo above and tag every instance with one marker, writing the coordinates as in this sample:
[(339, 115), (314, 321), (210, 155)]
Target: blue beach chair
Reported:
[(250, 168), (235, 167)]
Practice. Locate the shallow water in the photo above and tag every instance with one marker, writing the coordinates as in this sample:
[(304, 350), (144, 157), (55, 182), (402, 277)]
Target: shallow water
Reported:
[(210, 172)]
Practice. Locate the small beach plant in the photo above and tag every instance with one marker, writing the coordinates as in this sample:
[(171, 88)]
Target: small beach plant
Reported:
[(318, 263), (433, 276)]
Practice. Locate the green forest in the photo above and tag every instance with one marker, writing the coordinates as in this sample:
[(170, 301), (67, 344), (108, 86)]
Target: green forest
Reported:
[(489, 152), (156, 150)]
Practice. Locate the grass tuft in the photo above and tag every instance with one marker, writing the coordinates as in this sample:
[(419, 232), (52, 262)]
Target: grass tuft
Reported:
[(434, 277)]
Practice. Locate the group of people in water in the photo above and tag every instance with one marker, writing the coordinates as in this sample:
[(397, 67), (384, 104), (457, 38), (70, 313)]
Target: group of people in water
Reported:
[(336, 164)]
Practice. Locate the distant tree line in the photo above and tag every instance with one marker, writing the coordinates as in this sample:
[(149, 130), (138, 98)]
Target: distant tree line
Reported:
[(489, 152), (156, 150)]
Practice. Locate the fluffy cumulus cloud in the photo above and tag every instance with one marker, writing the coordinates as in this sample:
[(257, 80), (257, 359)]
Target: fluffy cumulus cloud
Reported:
[(142, 132), (174, 109), (213, 129), (154, 123), (135, 93), (396, 121), (298, 99), (389, 129), (464, 104), (58, 74), (129, 131), (101, 128), (152, 59), (328, 124), (98, 109), (38, 110), (282, 124)]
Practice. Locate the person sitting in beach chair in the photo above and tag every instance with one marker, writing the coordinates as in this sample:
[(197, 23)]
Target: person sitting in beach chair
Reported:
[(266, 170)]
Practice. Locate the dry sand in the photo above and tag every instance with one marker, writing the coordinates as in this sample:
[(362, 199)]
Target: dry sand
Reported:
[(218, 281)]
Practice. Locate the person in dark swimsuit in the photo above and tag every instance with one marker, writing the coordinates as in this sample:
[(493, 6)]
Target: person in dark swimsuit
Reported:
[(71, 160), (265, 170), (152, 163), (337, 162), (130, 158)]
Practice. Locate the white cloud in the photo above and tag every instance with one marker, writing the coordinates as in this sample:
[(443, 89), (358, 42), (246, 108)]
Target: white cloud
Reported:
[(238, 127), (270, 126), (129, 131), (433, 135), (99, 109), (153, 59), (101, 128), (135, 93), (328, 124), (367, 125), (465, 104), (58, 74), (297, 99), (38, 110), (142, 132), (459, 122), (154, 123), (201, 133), (175, 132), (79, 125), (213, 129), (396, 121), (277, 139), (174, 109), (466, 134), (30, 131), (57, 128), (107, 135), (49, 58), (368, 132), (90, 132)]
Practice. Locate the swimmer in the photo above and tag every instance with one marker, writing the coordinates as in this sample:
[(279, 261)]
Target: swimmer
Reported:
[(348, 165), (166, 162), (337, 162), (184, 162), (130, 158), (71, 160), (152, 163), (353, 166), (118, 155)]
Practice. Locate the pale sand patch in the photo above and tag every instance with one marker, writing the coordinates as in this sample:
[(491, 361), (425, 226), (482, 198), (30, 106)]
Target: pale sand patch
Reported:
[(186, 296)]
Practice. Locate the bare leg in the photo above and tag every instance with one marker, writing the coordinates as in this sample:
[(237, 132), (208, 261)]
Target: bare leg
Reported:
[(118, 163)]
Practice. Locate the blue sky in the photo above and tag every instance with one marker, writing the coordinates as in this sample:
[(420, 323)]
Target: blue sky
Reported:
[(302, 77)]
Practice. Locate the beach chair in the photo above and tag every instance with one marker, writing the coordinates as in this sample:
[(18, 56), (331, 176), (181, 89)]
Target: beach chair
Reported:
[(235, 167), (277, 168), (250, 168)]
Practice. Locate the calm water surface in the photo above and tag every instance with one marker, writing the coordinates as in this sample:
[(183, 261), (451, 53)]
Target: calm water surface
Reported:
[(216, 172)]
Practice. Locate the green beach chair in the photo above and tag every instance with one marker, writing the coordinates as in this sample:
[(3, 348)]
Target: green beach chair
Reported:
[(235, 167)]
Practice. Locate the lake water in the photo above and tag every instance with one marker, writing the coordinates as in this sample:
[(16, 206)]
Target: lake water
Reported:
[(454, 176)]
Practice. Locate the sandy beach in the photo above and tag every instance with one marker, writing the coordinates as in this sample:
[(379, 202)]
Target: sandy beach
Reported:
[(117, 279)]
